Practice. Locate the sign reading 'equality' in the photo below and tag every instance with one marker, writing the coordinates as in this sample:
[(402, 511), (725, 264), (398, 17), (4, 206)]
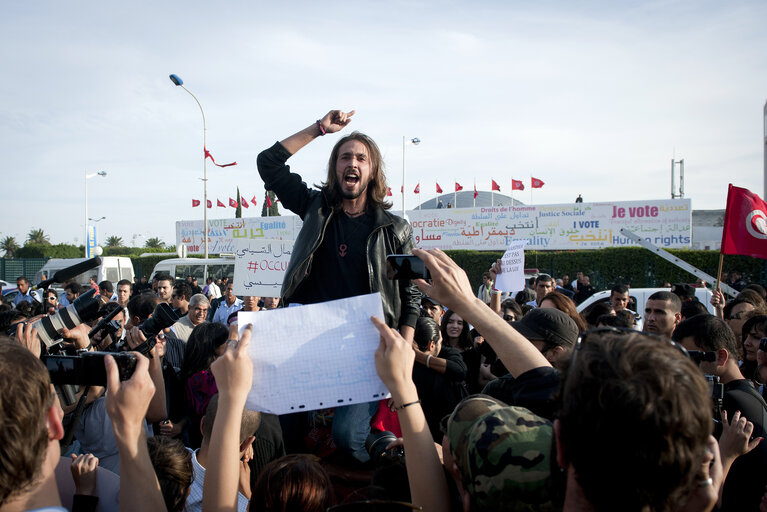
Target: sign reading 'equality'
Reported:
[(666, 223)]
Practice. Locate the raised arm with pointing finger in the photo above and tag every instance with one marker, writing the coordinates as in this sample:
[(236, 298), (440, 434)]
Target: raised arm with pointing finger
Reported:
[(341, 249)]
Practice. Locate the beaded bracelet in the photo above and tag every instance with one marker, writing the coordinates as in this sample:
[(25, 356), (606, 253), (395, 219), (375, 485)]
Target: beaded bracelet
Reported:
[(322, 130)]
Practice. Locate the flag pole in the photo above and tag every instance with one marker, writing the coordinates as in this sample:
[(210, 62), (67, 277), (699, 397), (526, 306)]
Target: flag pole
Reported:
[(531, 188), (512, 191), (455, 194), (436, 195), (721, 247)]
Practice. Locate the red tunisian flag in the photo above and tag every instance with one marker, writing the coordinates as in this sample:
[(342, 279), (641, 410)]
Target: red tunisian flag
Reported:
[(220, 204), (517, 185), (232, 203), (210, 203), (388, 191), (496, 186), (417, 189), (458, 187), (536, 183), (253, 200), (745, 224), (439, 189), (195, 203), (268, 201), (208, 155), (475, 191), (244, 203)]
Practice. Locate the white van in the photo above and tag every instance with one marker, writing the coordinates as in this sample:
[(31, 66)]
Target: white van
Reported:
[(112, 269), (179, 268), (639, 296)]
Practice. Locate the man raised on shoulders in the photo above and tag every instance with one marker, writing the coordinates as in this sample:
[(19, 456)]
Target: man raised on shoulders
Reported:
[(342, 246)]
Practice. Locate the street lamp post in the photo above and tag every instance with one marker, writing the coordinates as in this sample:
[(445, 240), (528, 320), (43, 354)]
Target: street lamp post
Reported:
[(87, 177), (180, 83), (414, 141)]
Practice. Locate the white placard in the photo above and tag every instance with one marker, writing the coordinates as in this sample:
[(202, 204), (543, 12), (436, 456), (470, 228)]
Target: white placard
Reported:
[(315, 356), (259, 266), (512, 276)]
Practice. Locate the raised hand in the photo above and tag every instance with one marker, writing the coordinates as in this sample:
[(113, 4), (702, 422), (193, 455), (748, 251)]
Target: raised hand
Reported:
[(336, 120), (234, 370), (450, 284), (394, 363)]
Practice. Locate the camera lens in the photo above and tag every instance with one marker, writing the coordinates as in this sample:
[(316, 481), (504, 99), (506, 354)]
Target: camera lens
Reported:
[(163, 316), (83, 309)]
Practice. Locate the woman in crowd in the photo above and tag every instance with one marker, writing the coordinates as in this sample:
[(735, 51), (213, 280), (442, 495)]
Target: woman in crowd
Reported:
[(438, 374), (754, 329), (455, 333), (205, 344), (563, 303), (293, 482), (51, 301), (172, 464)]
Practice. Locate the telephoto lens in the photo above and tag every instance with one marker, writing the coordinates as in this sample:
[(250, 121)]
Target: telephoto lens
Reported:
[(162, 317), (84, 309)]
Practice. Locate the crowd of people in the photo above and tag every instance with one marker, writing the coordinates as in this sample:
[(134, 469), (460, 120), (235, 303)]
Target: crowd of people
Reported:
[(497, 402)]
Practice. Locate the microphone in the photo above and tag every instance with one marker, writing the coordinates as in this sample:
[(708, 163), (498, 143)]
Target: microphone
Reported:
[(70, 272)]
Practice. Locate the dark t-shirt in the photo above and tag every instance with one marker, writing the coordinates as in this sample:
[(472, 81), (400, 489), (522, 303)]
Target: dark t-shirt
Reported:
[(339, 268), (745, 483)]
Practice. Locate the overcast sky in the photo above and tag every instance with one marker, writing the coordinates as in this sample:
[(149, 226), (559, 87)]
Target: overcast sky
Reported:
[(594, 98)]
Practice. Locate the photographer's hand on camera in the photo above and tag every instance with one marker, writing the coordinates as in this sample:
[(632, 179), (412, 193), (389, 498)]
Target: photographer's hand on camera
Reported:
[(77, 336), (134, 337), (127, 404), (26, 333)]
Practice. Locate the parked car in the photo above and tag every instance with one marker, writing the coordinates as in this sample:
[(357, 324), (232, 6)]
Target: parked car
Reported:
[(638, 297)]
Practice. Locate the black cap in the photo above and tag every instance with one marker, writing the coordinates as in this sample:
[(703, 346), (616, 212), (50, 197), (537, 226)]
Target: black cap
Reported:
[(548, 324), (426, 298)]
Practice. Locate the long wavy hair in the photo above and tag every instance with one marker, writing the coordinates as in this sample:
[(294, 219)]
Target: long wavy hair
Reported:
[(376, 189)]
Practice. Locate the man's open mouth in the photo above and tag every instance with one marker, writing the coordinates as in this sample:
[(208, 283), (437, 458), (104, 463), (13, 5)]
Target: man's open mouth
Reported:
[(351, 178)]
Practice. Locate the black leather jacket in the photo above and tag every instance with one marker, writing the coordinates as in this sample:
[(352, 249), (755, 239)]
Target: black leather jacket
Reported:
[(390, 235)]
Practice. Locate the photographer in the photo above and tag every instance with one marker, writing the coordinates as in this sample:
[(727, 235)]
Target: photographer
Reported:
[(744, 486), (94, 430)]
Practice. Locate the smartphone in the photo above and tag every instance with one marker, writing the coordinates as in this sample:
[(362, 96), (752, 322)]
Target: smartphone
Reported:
[(87, 369), (406, 266)]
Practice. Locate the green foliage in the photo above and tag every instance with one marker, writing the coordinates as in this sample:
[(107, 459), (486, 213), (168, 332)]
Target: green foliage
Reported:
[(154, 243), (38, 236), (633, 265), (9, 246), (114, 241), (32, 250), (274, 210)]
